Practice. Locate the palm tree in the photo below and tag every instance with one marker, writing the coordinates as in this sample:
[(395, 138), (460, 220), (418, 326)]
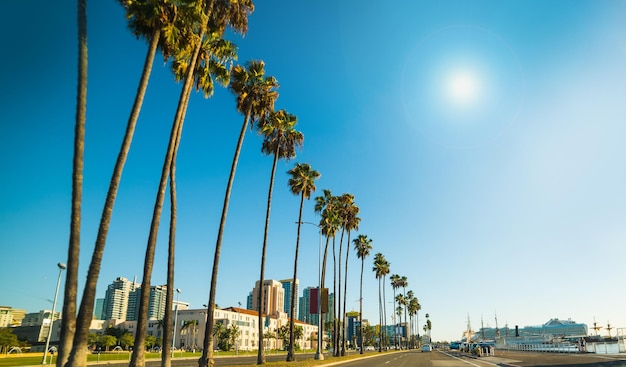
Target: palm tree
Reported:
[(385, 270), (256, 94), (400, 301), (395, 279), (302, 182), (362, 246), (200, 69), (351, 222), (413, 308), (380, 269), (280, 140), (147, 19), (71, 281), (327, 206), (404, 283)]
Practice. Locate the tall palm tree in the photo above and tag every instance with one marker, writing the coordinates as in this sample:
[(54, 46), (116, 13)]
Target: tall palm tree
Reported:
[(256, 94), (380, 270), (327, 206), (412, 302), (217, 65), (302, 182), (280, 140), (362, 246), (404, 283), (148, 19), (208, 59), (400, 301), (385, 271), (395, 279), (350, 222), (68, 324)]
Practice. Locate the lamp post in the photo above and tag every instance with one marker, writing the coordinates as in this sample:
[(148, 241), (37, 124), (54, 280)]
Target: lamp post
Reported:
[(318, 353), (54, 304), (175, 320)]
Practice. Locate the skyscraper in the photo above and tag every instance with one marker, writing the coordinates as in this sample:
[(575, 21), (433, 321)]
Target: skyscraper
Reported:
[(287, 287), (273, 302), (116, 299), (156, 303)]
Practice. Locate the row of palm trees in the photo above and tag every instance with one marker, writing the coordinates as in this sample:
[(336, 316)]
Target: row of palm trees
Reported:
[(189, 34), (404, 303)]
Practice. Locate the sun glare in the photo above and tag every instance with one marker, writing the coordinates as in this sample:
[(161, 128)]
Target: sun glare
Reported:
[(463, 88)]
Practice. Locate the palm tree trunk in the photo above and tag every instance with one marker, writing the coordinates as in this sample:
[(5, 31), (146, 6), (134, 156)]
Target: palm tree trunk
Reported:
[(380, 317), (361, 306), (166, 358), (265, 235), (336, 321), (406, 340), (322, 281), (345, 295), (68, 323), (339, 327), (207, 346), (385, 309), (138, 357), (291, 354), (88, 299)]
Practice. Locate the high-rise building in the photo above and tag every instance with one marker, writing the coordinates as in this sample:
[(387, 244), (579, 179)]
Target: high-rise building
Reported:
[(97, 311), (156, 303), (308, 314), (273, 302), (249, 301), (116, 297), (287, 283), (304, 312)]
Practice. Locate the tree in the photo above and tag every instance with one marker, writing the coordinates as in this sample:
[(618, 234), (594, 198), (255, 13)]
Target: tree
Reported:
[(414, 308), (127, 340), (107, 341), (282, 333), (7, 339), (256, 94), (381, 269), (395, 279), (148, 19), (350, 222), (68, 323), (330, 222), (203, 62), (151, 341), (302, 182), (362, 246), (404, 283)]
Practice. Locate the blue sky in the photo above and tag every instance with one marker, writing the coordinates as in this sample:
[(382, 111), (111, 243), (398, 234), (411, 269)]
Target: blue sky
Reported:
[(482, 140)]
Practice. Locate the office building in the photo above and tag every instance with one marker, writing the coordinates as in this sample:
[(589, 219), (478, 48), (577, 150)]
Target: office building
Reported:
[(273, 302), (156, 303), (287, 283), (115, 305)]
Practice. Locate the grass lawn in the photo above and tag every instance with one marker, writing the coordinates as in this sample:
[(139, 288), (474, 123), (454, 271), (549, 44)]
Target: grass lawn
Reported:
[(33, 359)]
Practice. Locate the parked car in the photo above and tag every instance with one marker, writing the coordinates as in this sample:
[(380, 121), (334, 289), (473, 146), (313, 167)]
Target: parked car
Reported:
[(370, 348), (427, 348)]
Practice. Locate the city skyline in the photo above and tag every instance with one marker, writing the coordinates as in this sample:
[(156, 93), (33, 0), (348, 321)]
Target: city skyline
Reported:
[(482, 142)]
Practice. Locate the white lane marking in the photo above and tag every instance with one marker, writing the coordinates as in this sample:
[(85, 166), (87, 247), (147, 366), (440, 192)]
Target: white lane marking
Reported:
[(468, 362)]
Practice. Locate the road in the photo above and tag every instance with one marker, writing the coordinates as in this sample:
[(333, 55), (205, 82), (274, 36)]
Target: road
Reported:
[(414, 358)]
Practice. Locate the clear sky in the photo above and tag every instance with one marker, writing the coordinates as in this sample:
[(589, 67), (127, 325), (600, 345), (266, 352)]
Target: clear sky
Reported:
[(482, 140)]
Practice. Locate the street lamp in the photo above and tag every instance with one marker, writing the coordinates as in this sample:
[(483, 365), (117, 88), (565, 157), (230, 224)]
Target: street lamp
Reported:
[(175, 320), (54, 305), (318, 353)]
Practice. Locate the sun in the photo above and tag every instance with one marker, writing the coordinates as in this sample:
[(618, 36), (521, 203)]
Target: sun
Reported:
[(463, 88)]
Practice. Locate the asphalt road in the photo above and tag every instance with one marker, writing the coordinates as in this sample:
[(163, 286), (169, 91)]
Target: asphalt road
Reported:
[(415, 358)]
